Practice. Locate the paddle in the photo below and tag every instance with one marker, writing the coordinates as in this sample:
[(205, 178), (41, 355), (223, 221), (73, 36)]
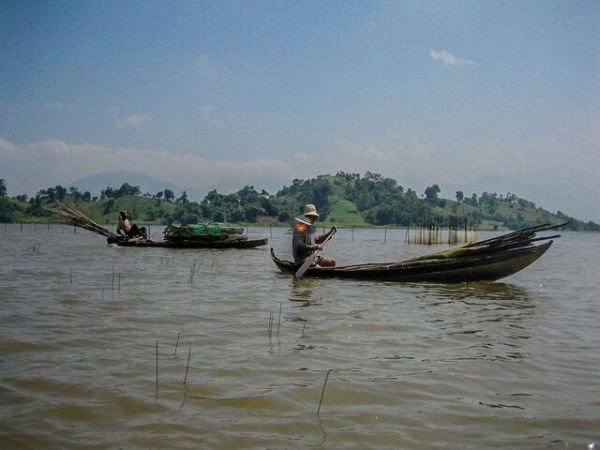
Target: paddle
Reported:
[(308, 261)]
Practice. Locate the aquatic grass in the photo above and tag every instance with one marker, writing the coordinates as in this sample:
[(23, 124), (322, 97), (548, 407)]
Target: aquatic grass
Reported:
[(156, 394), (166, 261), (187, 368), (323, 392), (270, 326), (177, 343), (279, 319), (194, 271), (114, 276)]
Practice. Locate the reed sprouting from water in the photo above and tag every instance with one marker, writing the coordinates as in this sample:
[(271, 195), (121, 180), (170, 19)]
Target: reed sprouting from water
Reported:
[(177, 343), (279, 319), (193, 271), (323, 391), (270, 327), (156, 347), (187, 367)]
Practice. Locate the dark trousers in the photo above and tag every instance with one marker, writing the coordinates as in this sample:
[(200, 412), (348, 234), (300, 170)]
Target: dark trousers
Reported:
[(134, 231)]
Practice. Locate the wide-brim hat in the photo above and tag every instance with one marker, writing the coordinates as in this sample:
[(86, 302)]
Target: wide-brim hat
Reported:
[(310, 210)]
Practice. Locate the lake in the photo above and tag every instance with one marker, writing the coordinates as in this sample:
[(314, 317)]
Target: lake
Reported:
[(104, 347)]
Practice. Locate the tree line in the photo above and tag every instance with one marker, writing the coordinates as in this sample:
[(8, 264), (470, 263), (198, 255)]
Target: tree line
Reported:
[(378, 200)]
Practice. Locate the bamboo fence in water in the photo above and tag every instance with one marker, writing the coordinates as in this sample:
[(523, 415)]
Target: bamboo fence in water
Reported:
[(432, 231)]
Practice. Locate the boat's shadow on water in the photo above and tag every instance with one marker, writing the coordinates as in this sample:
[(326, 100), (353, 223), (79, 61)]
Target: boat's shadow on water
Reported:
[(497, 291), (307, 290)]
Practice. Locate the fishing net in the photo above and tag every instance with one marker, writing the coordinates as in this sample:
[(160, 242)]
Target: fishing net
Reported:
[(201, 231)]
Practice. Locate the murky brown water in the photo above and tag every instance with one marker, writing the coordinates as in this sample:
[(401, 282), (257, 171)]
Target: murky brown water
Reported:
[(512, 364)]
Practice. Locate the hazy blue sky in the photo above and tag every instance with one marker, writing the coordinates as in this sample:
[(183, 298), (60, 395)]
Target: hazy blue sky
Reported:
[(471, 95)]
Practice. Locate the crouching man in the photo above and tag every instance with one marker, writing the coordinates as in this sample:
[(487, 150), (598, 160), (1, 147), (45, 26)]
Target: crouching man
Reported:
[(306, 241)]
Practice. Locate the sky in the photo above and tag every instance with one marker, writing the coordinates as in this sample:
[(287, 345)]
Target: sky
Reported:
[(477, 96)]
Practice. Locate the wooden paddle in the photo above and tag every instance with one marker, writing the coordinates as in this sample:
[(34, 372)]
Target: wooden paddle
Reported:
[(308, 261)]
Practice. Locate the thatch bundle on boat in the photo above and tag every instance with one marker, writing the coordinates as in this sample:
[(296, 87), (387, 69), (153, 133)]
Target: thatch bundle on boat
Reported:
[(516, 239), (212, 231), (71, 216)]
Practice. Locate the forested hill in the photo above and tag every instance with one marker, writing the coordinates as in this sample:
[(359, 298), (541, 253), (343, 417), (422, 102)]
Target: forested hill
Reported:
[(376, 200), (345, 199)]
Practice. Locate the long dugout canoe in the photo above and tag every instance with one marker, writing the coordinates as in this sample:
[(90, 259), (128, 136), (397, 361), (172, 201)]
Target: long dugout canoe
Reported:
[(483, 267)]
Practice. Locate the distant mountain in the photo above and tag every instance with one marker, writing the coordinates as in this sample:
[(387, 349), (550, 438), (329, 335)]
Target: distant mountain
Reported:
[(100, 181)]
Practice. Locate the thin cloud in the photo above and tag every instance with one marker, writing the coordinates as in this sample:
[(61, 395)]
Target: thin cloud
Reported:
[(57, 106), (304, 158), (134, 120), (33, 166), (446, 57), (207, 116), (413, 162), (207, 67)]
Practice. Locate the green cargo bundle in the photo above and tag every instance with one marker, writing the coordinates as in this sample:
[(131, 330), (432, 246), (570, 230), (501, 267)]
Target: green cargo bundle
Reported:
[(212, 231)]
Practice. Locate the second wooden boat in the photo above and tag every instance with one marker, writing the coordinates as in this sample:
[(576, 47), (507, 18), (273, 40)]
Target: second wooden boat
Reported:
[(71, 216), (225, 243)]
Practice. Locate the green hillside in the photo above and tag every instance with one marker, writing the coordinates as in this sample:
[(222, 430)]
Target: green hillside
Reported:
[(344, 211), (344, 199), (351, 199)]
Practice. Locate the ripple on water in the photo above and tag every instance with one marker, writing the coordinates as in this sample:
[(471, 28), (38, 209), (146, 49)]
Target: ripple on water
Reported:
[(509, 364)]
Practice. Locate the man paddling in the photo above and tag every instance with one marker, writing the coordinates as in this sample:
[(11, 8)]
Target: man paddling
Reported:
[(306, 241)]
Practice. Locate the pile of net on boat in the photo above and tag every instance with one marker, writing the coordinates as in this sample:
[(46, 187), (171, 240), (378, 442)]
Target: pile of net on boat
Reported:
[(211, 231)]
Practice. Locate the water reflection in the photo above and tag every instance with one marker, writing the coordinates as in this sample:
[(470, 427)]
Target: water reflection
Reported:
[(302, 291), (480, 291), (482, 321)]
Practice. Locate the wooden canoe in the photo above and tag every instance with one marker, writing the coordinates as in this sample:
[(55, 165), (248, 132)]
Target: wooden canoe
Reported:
[(226, 243), (451, 270), (71, 216), (487, 260)]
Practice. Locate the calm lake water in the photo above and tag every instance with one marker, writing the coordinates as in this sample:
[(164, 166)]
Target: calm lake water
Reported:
[(513, 364)]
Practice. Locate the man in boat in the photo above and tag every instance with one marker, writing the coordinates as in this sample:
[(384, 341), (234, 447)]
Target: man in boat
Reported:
[(128, 230), (306, 241)]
